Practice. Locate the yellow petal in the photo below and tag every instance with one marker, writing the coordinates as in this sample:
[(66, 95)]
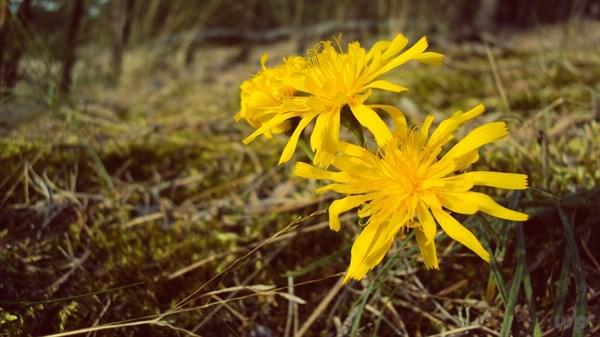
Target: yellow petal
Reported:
[(380, 249), (427, 223), (351, 149), (352, 165), (471, 202), (366, 241), (263, 61), (376, 49), (424, 130), (458, 232), (446, 128), (427, 249), (456, 203), (325, 137), (398, 43), (308, 171), (290, 147), (400, 125), (508, 181), (480, 136), (341, 188), (431, 58), (386, 85), (466, 160), (369, 119), (267, 126), (399, 60), (491, 207), (342, 205)]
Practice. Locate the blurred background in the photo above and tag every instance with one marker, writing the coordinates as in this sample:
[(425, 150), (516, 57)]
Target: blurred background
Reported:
[(125, 190)]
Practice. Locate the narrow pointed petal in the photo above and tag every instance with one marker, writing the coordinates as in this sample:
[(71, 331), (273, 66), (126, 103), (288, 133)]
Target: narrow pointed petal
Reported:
[(427, 249), (400, 126), (410, 54), (267, 126), (458, 232), (366, 241), (508, 181), (377, 48), (369, 119), (308, 171), (428, 226), (341, 188), (343, 205), (491, 207), (472, 202), (443, 133), (386, 85), (431, 58), (325, 138), (351, 149), (480, 136), (290, 147), (424, 130), (398, 43)]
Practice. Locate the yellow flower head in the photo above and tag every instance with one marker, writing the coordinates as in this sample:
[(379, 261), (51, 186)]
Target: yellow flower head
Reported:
[(409, 184), (262, 96), (334, 79)]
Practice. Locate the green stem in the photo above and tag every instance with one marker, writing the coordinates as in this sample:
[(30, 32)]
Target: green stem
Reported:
[(303, 145)]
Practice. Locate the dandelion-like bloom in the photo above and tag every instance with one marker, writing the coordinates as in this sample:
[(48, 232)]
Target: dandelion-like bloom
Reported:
[(334, 79), (410, 185), (263, 96)]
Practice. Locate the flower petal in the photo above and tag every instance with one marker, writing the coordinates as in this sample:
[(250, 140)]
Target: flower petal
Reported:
[(508, 181), (458, 232), (351, 149), (290, 147), (325, 137), (268, 125), (342, 205), (367, 241), (340, 188), (427, 249), (427, 223), (369, 119), (442, 134), (411, 53), (430, 57), (400, 125), (398, 43), (305, 170), (471, 202), (480, 136), (386, 85)]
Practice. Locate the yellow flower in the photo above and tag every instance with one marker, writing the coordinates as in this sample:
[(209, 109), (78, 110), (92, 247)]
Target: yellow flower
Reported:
[(410, 185), (262, 96), (334, 79)]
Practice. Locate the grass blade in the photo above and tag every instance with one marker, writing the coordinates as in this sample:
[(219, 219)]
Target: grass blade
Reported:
[(562, 286), (509, 311), (513, 296), (527, 287), (579, 319)]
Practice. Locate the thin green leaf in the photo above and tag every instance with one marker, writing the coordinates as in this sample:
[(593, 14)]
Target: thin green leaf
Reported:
[(495, 273), (527, 286), (562, 286), (513, 296), (509, 311), (579, 319)]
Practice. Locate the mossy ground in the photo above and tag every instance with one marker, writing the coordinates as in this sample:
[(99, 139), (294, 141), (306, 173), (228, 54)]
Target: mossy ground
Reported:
[(121, 203)]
